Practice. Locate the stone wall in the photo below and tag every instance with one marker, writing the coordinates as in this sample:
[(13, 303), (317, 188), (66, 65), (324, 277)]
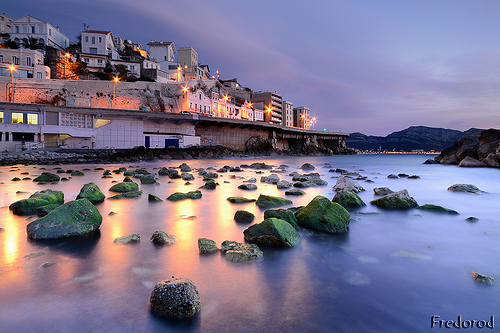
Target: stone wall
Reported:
[(226, 136)]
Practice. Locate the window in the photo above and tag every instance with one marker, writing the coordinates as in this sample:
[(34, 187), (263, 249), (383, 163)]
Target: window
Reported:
[(93, 50), (32, 118), (99, 61), (86, 39), (200, 97), (50, 32), (29, 74), (33, 29), (17, 29), (15, 60), (17, 118), (28, 61), (86, 60), (39, 76), (1, 58), (132, 69), (1, 117), (100, 39), (93, 40)]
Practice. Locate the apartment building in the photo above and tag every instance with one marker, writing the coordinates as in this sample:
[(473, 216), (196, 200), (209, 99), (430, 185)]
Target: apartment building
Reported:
[(272, 105), (27, 63), (31, 27), (301, 117), (287, 114)]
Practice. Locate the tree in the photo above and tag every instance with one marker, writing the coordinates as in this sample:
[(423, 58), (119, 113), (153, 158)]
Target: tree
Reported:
[(10, 44), (32, 43), (121, 70), (108, 69)]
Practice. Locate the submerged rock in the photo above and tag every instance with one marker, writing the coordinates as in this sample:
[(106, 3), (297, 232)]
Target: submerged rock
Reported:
[(206, 246), (396, 200), (161, 237), (382, 191), (124, 187), (154, 198), (323, 215), (176, 298), (128, 239), (242, 216), (482, 278), (437, 209), (348, 200), (283, 184), (47, 177), (271, 179), (283, 214), (182, 196), (149, 178), (347, 184), (73, 218), (210, 185), (38, 199), (249, 187), (307, 166), (92, 193), (272, 232), (238, 252), (133, 194), (271, 201), (469, 188), (240, 200), (294, 191)]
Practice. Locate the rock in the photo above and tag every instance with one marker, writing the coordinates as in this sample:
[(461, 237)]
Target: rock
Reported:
[(295, 192), (272, 232), (211, 175), (150, 178), (238, 252), (467, 146), (38, 199), (305, 177), (47, 177), (472, 219), (469, 188), (249, 187), (240, 200), (44, 210), (73, 218), (184, 167), (413, 177), (176, 298), (382, 191), (323, 215), (242, 216), (92, 193), (265, 201), (437, 209), (260, 166), (396, 200), (470, 162), (210, 185), (153, 198), (282, 214), (124, 187), (134, 238), (430, 161), (161, 237), (393, 176), (347, 184), (307, 166), (182, 196), (492, 160), (487, 148), (450, 159), (77, 173), (187, 176), (283, 184), (302, 184), (348, 200), (482, 278), (271, 179), (207, 246), (15, 179), (133, 194), (251, 180)]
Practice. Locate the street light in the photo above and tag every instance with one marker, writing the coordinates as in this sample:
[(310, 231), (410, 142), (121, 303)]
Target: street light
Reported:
[(302, 122), (269, 111), (66, 60), (313, 121), (12, 68), (116, 79)]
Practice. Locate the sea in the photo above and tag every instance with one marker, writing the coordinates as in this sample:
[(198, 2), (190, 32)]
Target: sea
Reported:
[(393, 271)]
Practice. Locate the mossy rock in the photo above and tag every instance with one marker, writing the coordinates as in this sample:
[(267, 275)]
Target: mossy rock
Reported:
[(437, 209), (16, 179), (38, 199), (133, 194), (282, 214), (242, 216), (240, 200), (47, 177), (265, 201), (396, 200), (207, 246), (127, 179), (210, 185), (161, 237), (73, 218), (148, 179), (44, 210), (294, 191), (182, 196), (324, 215), (124, 187), (77, 173), (272, 232), (154, 198), (92, 193), (348, 199)]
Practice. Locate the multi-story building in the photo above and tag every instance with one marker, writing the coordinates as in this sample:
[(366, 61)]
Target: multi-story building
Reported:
[(160, 52), (287, 114), (4, 26), (98, 47), (188, 59), (31, 27), (301, 117), (27, 63), (272, 106), (235, 89)]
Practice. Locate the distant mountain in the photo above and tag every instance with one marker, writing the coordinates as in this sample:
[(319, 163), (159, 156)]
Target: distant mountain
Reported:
[(414, 137)]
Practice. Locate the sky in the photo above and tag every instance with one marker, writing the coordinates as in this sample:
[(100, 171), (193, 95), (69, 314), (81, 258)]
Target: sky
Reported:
[(369, 66)]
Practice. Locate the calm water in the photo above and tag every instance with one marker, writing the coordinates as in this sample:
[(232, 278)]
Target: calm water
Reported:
[(390, 273)]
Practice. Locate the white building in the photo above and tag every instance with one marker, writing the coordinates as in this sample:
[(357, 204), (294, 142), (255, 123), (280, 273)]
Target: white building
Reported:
[(301, 117), (162, 51), (28, 64), (4, 24), (29, 26), (287, 113), (99, 43)]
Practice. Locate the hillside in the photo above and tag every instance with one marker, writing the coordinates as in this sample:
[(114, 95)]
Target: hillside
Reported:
[(414, 137)]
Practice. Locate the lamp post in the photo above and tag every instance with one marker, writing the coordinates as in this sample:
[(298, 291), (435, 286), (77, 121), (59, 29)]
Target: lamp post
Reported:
[(66, 60), (184, 92), (313, 121), (269, 112), (12, 68), (116, 79)]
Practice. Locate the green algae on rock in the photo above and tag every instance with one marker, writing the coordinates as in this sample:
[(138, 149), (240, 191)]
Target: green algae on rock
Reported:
[(324, 215), (92, 193), (396, 200), (38, 199), (348, 199), (272, 232), (124, 187), (271, 201)]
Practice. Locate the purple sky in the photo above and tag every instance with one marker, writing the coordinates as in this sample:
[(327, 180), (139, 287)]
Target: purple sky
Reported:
[(362, 66)]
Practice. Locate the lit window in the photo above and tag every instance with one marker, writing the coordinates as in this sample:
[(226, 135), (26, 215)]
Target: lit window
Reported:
[(1, 117), (17, 118), (32, 118)]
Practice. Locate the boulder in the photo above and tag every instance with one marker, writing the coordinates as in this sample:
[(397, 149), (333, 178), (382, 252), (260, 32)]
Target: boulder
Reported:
[(324, 215), (92, 193), (47, 177), (482, 278), (470, 162), (212, 175), (393, 176), (249, 187), (271, 179), (184, 167), (450, 159), (469, 188), (206, 246), (38, 199), (251, 180), (133, 194), (154, 198), (307, 166), (134, 238), (437, 209), (272, 232), (382, 190), (161, 237), (73, 218), (492, 160), (182, 196), (430, 161), (396, 200), (242, 216), (209, 185), (282, 214), (265, 201), (240, 200), (467, 146), (124, 187), (150, 178), (77, 173), (187, 176), (44, 210), (283, 184), (302, 184), (348, 200), (175, 298), (294, 192), (347, 184), (487, 148), (238, 252)]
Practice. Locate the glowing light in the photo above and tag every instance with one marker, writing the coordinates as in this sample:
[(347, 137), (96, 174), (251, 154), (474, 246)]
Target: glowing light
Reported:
[(185, 89)]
